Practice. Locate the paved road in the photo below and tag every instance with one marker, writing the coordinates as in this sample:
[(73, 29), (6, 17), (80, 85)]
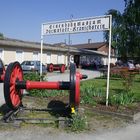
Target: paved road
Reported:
[(57, 76), (131, 132)]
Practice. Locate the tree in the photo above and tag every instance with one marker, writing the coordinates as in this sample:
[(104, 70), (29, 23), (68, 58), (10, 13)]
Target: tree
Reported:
[(131, 18), (1, 35), (126, 30), (116, 25)]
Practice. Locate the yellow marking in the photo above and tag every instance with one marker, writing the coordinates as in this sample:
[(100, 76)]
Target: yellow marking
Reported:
[(73, 110)]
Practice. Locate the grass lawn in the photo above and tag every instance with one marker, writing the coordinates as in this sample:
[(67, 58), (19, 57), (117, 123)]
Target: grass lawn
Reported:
[(116, 87)]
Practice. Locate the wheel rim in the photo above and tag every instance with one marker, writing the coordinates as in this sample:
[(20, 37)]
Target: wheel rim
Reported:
[(13, 96), (77, 89), (51, 68), (62, 69)]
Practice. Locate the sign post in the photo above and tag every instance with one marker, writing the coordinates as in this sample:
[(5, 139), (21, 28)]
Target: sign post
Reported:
[(91, 24), (109, 53)]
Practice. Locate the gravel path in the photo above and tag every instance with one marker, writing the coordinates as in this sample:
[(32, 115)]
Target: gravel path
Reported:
[(131, 132)]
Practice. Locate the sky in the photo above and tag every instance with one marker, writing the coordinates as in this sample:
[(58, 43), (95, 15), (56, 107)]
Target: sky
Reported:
[(22, 19)]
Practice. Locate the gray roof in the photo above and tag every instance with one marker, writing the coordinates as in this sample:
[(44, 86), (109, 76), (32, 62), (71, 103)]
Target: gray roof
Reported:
[(37, 45), (95, 45), (61, 48)]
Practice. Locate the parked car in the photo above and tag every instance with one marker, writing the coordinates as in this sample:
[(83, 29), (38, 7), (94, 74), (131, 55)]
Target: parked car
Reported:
[(89, 65), (32, 66), (128, 64)]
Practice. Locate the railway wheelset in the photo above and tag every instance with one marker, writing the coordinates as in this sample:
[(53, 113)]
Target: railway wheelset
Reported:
[(14, 86), (61, 67)]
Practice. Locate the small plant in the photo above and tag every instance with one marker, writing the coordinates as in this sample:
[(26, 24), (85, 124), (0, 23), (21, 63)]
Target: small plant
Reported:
[(128, 79), (32, 76), (89, 92), (123, 98), (79, 123)]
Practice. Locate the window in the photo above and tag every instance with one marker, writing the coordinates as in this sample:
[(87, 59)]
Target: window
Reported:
[(19, 56), (59, 59), (48, 58), (35, 56)]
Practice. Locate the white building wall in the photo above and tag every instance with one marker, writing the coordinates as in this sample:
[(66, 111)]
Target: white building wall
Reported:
[(19, 56), (36, 56), (54, 58), (48, 58), (28, 55), (9, 56)]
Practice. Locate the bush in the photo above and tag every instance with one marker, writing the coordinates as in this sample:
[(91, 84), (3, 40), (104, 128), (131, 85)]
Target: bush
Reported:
[(88, 93), (79, 123), (128, 80), (123, 98), (32, 76)]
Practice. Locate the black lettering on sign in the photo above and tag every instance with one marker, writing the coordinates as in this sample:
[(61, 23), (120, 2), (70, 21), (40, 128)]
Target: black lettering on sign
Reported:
[(93, 22), (50, 27), (79, 24), (83, 23), (98, 21), (93, 27)]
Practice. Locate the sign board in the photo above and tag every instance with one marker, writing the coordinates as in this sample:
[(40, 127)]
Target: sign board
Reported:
[(92, 24), (76, 26)]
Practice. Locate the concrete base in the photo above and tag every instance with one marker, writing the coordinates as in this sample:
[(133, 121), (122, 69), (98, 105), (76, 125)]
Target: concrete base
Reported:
[(129, 117)]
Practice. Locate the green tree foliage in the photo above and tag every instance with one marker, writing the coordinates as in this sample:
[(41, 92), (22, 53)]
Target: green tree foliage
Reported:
[(116, 25), (1, 35), (126, 29), (131, 18)]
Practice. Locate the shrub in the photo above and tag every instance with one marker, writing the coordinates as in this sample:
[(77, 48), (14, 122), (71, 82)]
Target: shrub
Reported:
[(79, 123), (128, 79), (88, 92), (123, 98)]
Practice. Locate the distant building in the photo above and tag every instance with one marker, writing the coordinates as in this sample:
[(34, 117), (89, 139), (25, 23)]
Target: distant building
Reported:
[(98, 46), (18, 50), (97, 53)]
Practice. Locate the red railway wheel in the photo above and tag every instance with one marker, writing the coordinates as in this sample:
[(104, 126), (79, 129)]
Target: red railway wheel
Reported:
[(62, 68), (12, 95), (51, 67)]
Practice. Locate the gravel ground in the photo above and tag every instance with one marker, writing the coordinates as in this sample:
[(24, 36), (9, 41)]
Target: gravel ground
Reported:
[(131, 132)]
